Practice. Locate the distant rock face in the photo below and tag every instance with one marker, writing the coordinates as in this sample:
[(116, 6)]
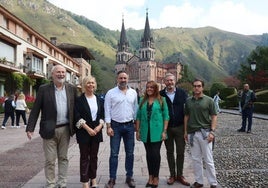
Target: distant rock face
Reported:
[(209, 52)]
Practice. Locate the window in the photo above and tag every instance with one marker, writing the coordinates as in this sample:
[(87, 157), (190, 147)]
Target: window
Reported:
[(4, 22), (7, 51), (37, 64)]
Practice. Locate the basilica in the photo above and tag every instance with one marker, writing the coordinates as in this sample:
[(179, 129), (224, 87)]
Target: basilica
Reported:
[(143, 67)]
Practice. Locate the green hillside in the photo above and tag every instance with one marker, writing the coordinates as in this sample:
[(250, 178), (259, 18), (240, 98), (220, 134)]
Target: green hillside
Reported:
[(209, 52)]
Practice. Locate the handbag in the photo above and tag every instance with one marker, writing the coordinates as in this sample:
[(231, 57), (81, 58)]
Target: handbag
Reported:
[(27, 110)]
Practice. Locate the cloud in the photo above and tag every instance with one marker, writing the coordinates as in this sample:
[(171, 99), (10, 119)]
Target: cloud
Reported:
[(180, 16), (245, 16), (236, 17)]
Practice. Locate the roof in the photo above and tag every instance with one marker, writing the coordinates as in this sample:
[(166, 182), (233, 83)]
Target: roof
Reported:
[(76, 51)]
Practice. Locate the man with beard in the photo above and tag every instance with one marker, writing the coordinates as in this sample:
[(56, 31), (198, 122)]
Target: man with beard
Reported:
[(56, 103), (120, 108), (175, 98)]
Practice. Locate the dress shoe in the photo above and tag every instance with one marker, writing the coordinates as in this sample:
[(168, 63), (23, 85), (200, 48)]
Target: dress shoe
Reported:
[(183, 181), (130, 182), (196, 185), (148, 184), (171, 180), (110, 183), (213, 186), (241, 130)]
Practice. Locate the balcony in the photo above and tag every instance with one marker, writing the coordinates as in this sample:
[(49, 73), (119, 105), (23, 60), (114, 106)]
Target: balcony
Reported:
[(7, 66)]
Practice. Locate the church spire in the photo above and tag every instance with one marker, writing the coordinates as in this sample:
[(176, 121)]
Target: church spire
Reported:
[(123, 43), (147, 30), (123, 54), (147, 51)]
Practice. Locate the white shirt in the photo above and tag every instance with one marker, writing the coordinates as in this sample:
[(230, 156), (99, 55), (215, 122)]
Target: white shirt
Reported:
[(92, 102), (20, 104), (120, 106)]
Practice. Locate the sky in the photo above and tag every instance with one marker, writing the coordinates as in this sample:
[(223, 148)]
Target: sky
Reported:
[(248, 17)]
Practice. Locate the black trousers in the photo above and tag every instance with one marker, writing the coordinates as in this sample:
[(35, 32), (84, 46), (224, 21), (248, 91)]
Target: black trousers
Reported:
[(88, 161), (153, 157), (21, 113)]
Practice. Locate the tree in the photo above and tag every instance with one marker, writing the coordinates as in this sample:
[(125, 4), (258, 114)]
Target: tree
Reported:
[(260, 76), (232, 81), (216, 87)]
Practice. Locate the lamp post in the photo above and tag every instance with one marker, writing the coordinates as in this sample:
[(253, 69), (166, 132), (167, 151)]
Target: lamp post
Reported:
[(253, 68)]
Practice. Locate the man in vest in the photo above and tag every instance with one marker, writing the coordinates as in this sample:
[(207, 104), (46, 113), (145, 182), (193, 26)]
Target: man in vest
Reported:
[(247, 100)]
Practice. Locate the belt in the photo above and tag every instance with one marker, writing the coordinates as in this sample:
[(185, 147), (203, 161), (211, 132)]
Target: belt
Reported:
[(123, 123), (62, 125)]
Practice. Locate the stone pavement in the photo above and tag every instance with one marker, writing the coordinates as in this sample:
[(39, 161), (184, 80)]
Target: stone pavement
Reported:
[(14, 138)]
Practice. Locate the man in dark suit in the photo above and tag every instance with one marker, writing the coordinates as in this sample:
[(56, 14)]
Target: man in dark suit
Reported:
[(175, 98), (56, 103)]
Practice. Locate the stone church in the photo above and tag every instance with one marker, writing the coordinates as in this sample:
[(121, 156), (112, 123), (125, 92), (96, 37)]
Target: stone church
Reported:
[(143, 67)]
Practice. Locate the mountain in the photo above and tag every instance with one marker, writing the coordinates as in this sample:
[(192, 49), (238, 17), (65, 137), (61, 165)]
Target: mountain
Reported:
[(209, 52)]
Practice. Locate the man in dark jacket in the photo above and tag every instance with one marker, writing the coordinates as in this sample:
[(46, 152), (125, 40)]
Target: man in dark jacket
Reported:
[(247, 104), (56, 103), (175, 98)]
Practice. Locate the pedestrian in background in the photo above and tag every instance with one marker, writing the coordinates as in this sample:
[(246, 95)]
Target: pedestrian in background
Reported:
[(20, 110), (89, 110), (247, 104), (200, 123), (9, 108), (217, 100), (56, 103), (120, 106), (151, 129), (175, 98)]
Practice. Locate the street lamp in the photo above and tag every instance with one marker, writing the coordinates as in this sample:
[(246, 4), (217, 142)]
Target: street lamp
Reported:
[(253, 68)]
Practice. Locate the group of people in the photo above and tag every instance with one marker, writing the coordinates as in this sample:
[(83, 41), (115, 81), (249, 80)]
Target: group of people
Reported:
[(167, 116), (14, 106)]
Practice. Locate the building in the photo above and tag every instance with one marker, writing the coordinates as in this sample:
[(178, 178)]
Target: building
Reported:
[(25, 52), (143, 67)]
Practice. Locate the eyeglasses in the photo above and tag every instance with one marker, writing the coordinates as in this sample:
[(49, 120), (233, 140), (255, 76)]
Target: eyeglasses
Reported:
[(197, 86)]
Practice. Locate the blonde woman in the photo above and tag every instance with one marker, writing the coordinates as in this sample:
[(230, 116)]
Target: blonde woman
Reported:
[(20, 110), (89, 116)]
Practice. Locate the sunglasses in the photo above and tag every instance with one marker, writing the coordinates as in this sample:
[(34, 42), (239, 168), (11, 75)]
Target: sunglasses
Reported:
[(197, 86)]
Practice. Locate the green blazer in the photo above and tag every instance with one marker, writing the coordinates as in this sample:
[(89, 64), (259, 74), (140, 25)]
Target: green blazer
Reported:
[(158, 116)]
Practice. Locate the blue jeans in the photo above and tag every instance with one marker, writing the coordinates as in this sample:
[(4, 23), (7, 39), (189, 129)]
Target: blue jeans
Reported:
[(125, 131), (247, 115)]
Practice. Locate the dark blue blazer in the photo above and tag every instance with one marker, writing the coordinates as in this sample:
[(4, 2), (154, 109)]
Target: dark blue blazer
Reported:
[(176, 109)]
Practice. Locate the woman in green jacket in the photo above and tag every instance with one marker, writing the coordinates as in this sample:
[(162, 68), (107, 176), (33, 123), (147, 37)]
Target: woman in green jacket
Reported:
[(151, 125)]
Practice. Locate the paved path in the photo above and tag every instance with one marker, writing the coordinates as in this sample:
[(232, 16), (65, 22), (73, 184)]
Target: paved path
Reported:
[(15, 138)]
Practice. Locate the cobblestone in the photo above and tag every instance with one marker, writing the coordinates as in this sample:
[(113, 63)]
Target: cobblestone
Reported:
[(241, 158)]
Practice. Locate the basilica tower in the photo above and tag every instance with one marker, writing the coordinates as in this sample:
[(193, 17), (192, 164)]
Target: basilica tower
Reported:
[(123, 54)]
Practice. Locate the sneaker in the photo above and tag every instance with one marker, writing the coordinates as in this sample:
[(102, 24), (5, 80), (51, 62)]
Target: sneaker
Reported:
[(17, 127), (12, 126), (249, 131), (3, 127)]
